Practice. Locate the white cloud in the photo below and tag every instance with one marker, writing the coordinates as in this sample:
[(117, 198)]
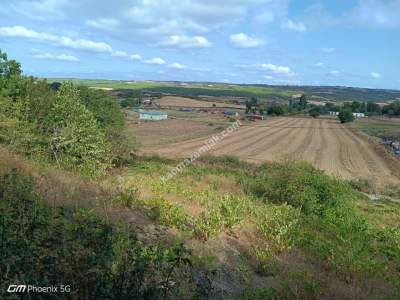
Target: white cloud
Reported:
[(281, 70), (155, 61), (177, 66), (334, 72), (268, 77), (63, 57), (122, 54), (295, 26), (375, 75), (319, 65), (63, 41), (328, 50), (182, 41), (136, 57), (242, 40)]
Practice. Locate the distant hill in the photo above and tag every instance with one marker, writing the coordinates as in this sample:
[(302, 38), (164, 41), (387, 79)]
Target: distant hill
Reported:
[(269, 92)]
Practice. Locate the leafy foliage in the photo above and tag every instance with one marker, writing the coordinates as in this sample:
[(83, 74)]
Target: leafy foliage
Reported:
[(79, 129), (99, 260), (75, 136), (298, 184), (346, 116)]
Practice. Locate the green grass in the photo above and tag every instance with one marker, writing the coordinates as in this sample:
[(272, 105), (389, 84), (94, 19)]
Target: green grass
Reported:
[(289, 206), (378, 128)]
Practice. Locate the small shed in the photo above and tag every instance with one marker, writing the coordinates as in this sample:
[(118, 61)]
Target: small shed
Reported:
[(333, 113), (154, 115)]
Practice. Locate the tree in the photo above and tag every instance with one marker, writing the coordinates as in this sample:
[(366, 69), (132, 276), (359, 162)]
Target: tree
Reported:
[(374, 108), (55, 86), (346, 116), (314, 113), (303, 102), (393, 109), (277, 110), (10, 75), (76, 140), (251, 106)]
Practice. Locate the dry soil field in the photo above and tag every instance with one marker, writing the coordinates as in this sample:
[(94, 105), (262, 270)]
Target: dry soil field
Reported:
[(187, 102), (324, 142), (173, 130)]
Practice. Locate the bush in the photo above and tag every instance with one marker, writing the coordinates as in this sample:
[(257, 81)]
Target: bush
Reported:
[(346, 116), (298, 184), (46, 246)]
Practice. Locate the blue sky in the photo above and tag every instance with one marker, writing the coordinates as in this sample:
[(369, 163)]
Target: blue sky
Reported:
[(311, 42)]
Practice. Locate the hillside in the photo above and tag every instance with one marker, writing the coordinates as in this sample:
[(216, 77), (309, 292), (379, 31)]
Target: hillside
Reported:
[(271, 92), (83, 211)]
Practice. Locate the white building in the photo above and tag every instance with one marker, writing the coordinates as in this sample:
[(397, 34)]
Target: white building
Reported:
[(359, 115), (153, 115)]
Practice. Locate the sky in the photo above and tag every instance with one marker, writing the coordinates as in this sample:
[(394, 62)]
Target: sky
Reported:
[(277, 42)]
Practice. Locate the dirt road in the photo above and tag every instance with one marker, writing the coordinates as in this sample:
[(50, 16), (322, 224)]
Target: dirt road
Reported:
[(324, 142)]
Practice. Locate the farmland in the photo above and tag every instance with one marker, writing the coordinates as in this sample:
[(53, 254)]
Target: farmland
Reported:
[(325, 143), (270, 92), (380, 127), (173, 101)]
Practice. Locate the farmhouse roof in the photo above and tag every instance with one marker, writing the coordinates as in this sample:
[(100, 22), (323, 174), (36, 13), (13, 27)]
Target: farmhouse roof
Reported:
[(153, 112)]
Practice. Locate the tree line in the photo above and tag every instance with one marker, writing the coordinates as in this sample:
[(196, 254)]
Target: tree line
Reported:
[(254, 105)]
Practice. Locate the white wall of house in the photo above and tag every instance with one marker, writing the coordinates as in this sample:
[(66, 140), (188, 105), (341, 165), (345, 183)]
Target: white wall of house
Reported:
[(150, 116)]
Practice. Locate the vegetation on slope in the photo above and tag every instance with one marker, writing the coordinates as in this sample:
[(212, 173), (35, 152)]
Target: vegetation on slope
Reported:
[(77, 128), (91, 257), (286, 208)]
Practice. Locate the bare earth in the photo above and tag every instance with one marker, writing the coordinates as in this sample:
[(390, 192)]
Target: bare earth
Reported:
[(325, 143), (188, 102)]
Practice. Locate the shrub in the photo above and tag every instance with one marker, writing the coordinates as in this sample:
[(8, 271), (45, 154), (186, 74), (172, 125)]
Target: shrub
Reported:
[(280, 226), (346, 116), (128, 197), (298, 184), (99, 260)]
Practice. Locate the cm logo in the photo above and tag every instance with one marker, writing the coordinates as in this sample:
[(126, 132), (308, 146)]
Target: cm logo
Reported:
[(13, 288)]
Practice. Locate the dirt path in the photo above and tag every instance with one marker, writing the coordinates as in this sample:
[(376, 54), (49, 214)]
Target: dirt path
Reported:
[(323, 142)]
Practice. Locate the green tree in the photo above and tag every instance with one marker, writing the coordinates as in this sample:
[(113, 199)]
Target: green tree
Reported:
[(314, 113), (346, 116), (303, 102), (277, 110), (374, 108), (76, 140)]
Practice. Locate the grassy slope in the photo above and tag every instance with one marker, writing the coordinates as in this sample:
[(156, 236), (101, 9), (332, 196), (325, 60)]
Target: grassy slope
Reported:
[(254, 244), (260, 244)]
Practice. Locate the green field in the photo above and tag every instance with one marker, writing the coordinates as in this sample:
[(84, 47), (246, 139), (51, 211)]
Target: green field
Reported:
[(379, 128)]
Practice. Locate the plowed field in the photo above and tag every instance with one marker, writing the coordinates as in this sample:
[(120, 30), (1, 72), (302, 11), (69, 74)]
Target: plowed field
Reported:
[(325, 143)]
